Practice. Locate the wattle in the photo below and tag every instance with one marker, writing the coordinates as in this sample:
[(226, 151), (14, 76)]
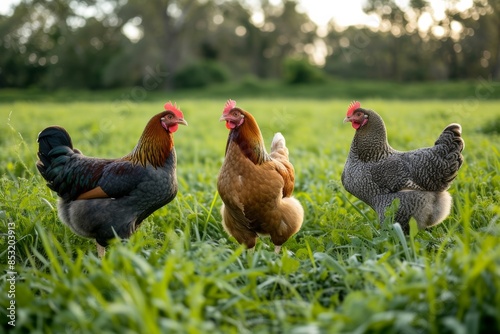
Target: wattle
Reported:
[(357, 125), (172, 128)]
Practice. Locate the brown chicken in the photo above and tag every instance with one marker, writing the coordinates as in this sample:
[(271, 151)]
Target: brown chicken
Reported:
[(101, 198), (256, 187)]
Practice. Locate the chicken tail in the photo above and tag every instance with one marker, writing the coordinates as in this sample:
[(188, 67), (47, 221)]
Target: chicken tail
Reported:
[(429, 208), (51, 137), (452, 144), (54, 148), (278, 147), (292, 216)]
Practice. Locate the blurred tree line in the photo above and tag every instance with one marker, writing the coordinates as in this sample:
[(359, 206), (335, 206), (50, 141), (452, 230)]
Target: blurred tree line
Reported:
[(191, 43)]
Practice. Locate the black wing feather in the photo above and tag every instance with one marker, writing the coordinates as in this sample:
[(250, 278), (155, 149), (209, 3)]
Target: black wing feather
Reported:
[(70, 173)]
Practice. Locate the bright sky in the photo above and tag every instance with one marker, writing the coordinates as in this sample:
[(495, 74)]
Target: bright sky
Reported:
[(321, 11), (5, 6), (345, 13)]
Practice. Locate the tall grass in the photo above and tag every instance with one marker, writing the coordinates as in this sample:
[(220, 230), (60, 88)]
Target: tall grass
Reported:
[(342, 273)]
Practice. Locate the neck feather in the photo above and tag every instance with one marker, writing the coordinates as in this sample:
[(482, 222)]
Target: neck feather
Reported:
[(249, 139), (370, 141), (155, 145)]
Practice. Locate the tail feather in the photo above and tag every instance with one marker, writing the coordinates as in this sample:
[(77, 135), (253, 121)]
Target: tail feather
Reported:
[(54, 148), (453, 144), (278, 147), (434, 168), (427, 207), (52, 137), (278, 142)]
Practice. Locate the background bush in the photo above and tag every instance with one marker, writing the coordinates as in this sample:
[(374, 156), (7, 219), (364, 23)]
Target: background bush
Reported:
[(300, 71), (201, 74)]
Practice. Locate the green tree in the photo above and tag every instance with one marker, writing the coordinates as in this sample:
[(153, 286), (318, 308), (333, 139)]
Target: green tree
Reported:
[(479, 42), (57, 44)]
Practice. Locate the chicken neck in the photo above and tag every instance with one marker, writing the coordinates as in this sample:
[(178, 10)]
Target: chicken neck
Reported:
[(154, 146), (250, 141), (370, 141)]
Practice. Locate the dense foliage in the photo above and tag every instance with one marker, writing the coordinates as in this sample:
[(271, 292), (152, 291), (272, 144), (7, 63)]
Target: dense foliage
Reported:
[(342, 273), (107, 44)]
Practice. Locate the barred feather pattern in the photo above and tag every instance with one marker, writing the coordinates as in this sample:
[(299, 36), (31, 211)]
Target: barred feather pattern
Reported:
[(377, 174)]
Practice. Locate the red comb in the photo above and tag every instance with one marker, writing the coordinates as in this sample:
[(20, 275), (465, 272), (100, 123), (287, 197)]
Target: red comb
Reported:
[(352, 107), (230, 104), (173, 108)]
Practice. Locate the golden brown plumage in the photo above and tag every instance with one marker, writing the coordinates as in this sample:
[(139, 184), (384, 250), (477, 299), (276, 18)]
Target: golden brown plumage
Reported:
[(256, 187)]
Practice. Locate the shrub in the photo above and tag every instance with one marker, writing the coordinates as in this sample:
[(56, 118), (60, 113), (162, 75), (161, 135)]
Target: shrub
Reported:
[(300, 71), (201, 74)]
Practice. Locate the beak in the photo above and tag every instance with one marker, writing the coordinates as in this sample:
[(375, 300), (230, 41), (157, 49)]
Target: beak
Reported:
[(347, 119), (182, 121), (222, 118)]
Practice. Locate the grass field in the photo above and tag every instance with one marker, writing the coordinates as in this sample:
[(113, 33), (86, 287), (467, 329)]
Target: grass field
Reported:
[(181, 273)]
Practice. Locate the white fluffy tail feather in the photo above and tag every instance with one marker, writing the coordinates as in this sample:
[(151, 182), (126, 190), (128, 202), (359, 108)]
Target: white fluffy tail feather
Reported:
[(434, 211), (278, 142)]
